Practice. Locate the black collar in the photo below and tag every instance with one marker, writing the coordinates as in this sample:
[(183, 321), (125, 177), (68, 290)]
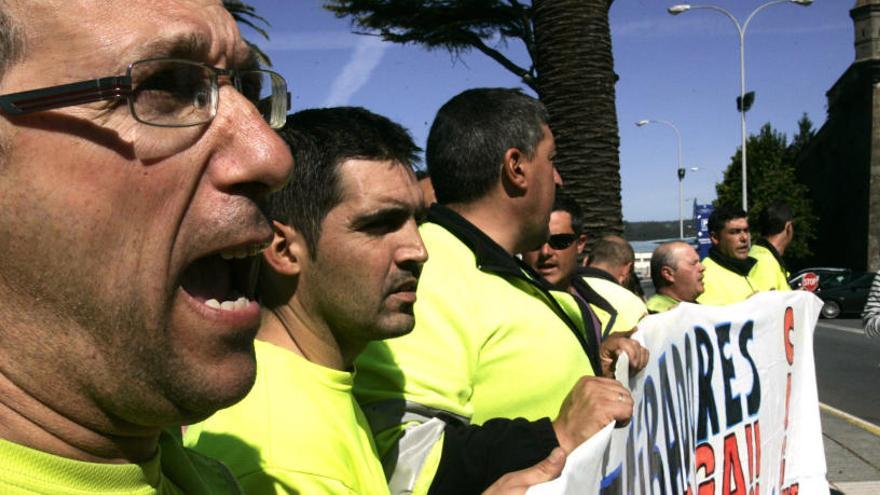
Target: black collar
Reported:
[(590, 271), (492, 258), (738, 266), (770, 247)]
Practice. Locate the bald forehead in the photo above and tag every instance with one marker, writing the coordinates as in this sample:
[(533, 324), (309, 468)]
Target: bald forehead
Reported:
[(682, 251)]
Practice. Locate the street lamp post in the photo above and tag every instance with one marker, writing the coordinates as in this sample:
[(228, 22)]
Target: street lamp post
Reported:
[(741, 29), (680, 168), (681, 174)]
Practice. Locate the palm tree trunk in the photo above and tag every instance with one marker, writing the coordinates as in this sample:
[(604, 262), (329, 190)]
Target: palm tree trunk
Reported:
[(576, 80)]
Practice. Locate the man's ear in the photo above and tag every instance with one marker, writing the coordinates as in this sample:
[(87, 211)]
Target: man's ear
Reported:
[(714, 238), (624, 273), (668, 274), (581, 243), (513, 172), (287, 251)]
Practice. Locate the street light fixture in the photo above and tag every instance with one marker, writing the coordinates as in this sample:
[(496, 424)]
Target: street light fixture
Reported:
[(681, 170), (681, 174), (741, 29)]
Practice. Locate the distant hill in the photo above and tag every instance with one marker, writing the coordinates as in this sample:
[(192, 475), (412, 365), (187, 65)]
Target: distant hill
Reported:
[(646, 231)]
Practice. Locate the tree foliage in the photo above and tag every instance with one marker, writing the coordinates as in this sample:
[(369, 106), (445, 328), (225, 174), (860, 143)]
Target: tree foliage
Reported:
[(454, 25), (570, 67), (247, 15), (771, 177)]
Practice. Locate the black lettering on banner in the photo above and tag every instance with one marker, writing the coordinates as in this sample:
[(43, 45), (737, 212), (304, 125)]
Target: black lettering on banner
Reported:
[(656, 469), (684, 394), (732, 404), (671, 429), (753, 400), (707, 416)]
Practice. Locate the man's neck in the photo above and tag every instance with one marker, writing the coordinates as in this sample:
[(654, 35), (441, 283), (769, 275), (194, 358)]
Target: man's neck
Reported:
[(28, 421), (778, 242), (607, 269), (291, 327), (670, 292), (495, 222)]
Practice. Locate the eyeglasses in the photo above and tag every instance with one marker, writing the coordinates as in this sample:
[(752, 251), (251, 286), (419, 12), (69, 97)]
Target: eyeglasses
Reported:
[(164, 92), (561, 241)]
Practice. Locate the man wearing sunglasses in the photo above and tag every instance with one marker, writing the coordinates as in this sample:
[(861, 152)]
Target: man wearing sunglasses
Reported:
[(133, 157)]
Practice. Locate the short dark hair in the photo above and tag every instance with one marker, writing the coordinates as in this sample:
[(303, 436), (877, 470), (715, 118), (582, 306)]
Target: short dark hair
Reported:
[(723, 214), (612, 250), (565, 202), (773, 218), (470, 135), (321, 140)]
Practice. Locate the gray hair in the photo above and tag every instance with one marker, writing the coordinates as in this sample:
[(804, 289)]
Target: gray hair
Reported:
[(11, 39)]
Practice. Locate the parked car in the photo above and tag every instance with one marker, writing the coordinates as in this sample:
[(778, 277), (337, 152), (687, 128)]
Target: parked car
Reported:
[(844, 291)]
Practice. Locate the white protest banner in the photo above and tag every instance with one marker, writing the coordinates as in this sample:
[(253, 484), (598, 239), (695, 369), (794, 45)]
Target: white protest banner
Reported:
[(726, 406)]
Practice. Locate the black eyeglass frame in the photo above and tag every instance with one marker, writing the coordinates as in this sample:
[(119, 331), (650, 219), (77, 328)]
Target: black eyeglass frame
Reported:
[(108, 88), (570, 239)]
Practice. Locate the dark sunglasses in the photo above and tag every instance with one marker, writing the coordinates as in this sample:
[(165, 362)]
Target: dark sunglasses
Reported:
[(561, 241)]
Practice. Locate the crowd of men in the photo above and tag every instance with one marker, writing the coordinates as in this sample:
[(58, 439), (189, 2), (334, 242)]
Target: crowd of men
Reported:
[(178, 251)]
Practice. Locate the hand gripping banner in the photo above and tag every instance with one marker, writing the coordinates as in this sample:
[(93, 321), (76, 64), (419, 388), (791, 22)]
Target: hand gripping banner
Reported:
[(726, 406)]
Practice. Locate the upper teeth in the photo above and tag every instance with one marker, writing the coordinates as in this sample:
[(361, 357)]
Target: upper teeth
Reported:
[(239, 303), (243, 252)]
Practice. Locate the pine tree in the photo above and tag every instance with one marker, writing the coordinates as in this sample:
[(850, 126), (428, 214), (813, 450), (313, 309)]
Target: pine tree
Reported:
[(772, 177)]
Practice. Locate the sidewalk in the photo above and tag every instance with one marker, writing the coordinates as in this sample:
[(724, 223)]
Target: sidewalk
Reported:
[(852, 453)]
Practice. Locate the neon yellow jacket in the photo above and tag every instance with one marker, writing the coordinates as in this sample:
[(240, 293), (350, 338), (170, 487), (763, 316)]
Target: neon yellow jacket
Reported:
[(770, 272), (660, 303), (629, 307), (727, 281), (299, 430), (174, 470)]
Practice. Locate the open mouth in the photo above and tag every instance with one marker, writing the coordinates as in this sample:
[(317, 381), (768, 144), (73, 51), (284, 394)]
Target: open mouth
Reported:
[(225, 280)]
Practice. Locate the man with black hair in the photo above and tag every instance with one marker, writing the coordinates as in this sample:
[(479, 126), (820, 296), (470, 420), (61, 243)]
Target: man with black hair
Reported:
[(341, 270), (677, 275), (776, 222), (486, 324), (729, 270)]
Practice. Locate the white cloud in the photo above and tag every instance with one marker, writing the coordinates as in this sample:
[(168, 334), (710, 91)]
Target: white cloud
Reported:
[(366, 57)]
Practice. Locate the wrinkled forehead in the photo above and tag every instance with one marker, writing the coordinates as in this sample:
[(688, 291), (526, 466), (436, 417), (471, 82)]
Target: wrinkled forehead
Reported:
[(81, 36)]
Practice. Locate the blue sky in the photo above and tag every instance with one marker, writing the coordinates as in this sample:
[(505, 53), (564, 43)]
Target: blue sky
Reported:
[(684, 69)]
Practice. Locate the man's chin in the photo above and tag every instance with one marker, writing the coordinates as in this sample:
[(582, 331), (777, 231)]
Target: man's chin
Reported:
[(394, 326), (211, 388)]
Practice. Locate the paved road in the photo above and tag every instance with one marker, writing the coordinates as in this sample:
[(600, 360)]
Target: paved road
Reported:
[(848, 368)]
